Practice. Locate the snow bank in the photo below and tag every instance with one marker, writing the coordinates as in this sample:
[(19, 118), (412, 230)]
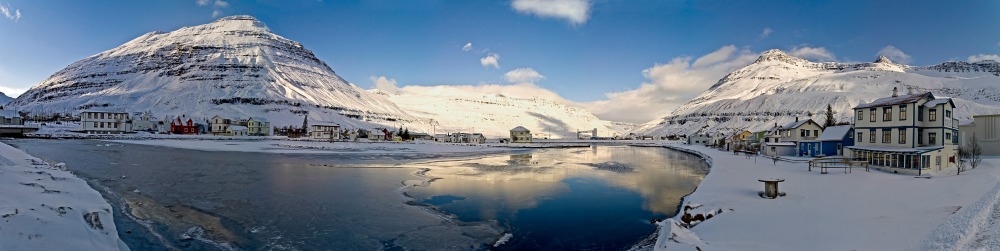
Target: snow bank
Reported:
[(961, 230), (45, 207)]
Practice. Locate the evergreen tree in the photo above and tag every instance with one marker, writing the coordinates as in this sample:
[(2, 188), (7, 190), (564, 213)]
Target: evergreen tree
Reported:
[(305, 123), (830, 120), (406, 134)]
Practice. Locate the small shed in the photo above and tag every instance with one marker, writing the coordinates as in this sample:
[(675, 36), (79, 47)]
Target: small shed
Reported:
[(779, 149)]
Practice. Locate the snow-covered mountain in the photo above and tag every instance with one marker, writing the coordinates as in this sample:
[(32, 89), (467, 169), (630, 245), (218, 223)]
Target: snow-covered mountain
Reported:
[(448, 109), (233, 67), (4, 99), (777, 87)]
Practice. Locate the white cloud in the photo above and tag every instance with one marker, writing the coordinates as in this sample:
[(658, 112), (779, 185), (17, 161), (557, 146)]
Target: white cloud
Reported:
[(896, 55), (491, 59), (670, 85), (522, 90), (12, 92), (221, 4), (766, 32), (385, 84), (574, 11), (523, 75), (467, 47), (817, 54), (981, 57), (12, 16), (202, 2), (216, 13)]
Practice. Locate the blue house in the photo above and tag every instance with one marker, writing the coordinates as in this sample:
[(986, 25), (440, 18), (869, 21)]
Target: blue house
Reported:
[(830, 143)]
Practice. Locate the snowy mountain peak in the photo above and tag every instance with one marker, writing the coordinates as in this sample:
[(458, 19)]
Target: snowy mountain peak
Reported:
[(233, 67), (883, 60)]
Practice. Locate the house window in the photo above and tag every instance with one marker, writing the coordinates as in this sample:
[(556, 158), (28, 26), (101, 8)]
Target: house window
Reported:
[(803, 133), (902, 136), (860, 135), (932, 138), (815, 133), (871, 116), (920, 137), (947, 136), (95, 124), (861, 115), (947, 114), (886, 135), (932, 114), (872, 138), (887, 113), (920, 115), (902, 112)]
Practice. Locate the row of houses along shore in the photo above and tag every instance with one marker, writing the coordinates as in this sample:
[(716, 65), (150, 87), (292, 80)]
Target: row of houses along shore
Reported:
[(910, 134), (97, 122)]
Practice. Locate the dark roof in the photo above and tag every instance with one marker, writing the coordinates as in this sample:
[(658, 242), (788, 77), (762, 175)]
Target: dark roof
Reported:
[(898, 100), (797, 124)]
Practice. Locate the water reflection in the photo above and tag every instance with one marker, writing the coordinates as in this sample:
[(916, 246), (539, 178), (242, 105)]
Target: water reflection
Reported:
[(614, 181)]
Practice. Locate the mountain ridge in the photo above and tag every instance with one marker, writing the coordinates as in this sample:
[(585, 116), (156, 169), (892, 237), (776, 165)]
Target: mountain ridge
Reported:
[(778, 88)]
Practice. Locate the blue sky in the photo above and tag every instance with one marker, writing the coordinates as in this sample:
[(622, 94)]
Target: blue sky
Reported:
[(589, 52)]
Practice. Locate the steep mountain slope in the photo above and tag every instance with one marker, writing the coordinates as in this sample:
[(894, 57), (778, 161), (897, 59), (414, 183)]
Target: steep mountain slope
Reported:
[(495, 114), (777, 87), (232, 67)]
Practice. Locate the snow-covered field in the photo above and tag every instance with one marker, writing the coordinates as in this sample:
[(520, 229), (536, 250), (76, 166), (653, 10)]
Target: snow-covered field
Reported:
[(45, 207), (835, 211)]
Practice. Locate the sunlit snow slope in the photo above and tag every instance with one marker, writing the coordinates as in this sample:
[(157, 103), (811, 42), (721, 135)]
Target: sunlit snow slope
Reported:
[(234, 67), (778, 87)]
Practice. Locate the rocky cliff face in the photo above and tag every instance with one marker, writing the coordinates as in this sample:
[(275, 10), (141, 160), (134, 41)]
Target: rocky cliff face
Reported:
[(232, 67), (777, 88)]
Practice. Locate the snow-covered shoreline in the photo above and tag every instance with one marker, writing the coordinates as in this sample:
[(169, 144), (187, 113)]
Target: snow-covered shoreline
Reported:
[(834, 211), (46, 207)]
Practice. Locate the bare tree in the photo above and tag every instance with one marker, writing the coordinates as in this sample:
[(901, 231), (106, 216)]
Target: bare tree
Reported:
[(963, 158), (975, 152)]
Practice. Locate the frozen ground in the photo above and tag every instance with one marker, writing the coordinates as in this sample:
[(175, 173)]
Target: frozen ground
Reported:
[(45, 207), (835, 211)]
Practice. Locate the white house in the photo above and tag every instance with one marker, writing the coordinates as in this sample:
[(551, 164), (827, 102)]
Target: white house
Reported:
[(699, 139), (520, 135), (442, 138), (800, 130), (325, 131), (236, 130), (912, 134), (257, 126), (219, 125), (144, 121), (105, 122), (986, 128)]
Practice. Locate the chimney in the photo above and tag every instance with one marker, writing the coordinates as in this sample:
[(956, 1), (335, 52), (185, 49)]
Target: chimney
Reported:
[(797, 118), (775, 124), (895, 92)]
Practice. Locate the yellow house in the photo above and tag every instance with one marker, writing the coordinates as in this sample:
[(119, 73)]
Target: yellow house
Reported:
[(520, 135)]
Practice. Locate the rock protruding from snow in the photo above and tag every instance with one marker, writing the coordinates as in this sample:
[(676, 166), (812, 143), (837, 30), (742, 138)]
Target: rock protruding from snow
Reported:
[(233, 67), (883, 60)]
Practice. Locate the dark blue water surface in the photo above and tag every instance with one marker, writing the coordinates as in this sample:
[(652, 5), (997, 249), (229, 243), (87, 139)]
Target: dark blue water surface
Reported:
[(596, 198)]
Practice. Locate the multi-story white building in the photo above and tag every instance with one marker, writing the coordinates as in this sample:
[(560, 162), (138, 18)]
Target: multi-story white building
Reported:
[(325, 131), (105, 122), (219, 125), (986, 128), (257, 126), (912, 134), (520, 135)]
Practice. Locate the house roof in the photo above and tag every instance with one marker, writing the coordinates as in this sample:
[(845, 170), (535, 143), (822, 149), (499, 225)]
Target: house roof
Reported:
[(520, 129), (237, 128), (326, 124), (939, 101), (898, 100), (258, 119), (8, 113), (834, 133), (103, 110), (796, 124), (780, 144)]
